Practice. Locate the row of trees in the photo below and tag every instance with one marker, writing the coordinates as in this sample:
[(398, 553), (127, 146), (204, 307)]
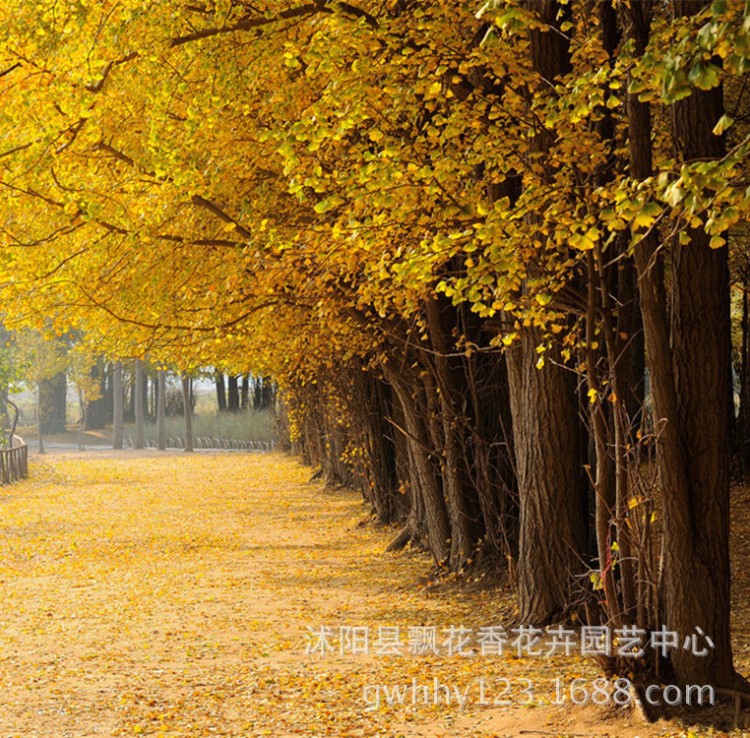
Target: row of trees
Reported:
[(485, 251), (109, 393)]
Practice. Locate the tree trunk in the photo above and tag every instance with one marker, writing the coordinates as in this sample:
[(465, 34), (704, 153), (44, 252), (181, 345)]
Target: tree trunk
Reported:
[(233, 396), (552, 490), (138, 438), (424, 480), (97, 411), (187, 402), (492, 451), (741, 443), (39, 426), (702, 375), (161, 411), (267, 394), (689, 376), (245, 392), (53, 404), (546, 433), (118, 401), (221, 393), (460, 496)]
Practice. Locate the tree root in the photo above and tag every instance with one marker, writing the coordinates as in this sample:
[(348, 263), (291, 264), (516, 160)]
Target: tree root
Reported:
[(403, 538), (739, 696)]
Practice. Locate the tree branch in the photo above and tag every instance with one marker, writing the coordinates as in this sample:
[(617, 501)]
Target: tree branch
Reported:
[(219, 213), (10, 69), (248, 24), (117, 62)]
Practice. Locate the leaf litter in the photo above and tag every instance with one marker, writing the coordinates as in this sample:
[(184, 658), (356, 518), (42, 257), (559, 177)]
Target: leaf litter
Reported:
[(177, 595)]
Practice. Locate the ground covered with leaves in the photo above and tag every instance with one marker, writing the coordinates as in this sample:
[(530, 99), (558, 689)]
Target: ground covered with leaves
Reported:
[(178, 595)]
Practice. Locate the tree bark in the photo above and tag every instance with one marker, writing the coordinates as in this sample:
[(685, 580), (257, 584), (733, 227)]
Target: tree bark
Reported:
[(551, 487), (161, 411), (97, 411), (187, 403), (245, 392), (221, 393), (741, 443), (689, 375), (233, 395), (53, 404), (461, 498), (118, 401), (424, 480), (138, 438), (545, 419), (702, 375)]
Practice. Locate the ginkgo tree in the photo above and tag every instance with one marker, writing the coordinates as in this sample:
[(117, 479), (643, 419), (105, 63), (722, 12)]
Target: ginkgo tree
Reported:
[(443, 230)]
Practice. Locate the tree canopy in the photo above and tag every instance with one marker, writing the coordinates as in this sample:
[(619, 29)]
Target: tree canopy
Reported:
[(458, 235)]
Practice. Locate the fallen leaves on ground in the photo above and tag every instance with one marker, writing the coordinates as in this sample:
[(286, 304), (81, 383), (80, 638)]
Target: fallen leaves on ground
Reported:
[(174, 595)]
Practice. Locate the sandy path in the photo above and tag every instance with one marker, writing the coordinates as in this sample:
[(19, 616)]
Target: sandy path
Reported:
[(172, 595)]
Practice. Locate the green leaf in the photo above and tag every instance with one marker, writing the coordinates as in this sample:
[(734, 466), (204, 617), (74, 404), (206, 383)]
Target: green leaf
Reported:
[(328, 204), (724, 122), (705, 76), (647, 215), (674, 194)]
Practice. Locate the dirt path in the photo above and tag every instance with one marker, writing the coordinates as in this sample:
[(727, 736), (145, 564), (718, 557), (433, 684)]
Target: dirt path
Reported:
[(175, 595)]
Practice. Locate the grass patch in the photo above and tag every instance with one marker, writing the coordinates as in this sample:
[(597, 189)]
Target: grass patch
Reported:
[(244, 426)]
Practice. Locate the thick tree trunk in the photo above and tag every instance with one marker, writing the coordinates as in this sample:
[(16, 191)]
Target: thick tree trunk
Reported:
[(702, 374), (460, 496), (545, 420), (551, 487), (741, 443), (689, 376)]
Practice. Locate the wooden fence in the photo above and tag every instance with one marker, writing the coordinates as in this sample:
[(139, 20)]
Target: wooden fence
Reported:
[(14, 461)]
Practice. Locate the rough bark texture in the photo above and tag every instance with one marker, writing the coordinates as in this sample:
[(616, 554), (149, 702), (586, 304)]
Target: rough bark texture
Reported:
[(545, 425), (460, 496), (425, 481), (702, 376), (688, 364), (741, 442), (552, 521)]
